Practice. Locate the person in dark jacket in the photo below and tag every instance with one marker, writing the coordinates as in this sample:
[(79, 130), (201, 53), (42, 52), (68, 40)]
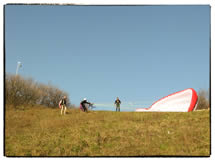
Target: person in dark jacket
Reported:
[(84, 104), (117, 103)]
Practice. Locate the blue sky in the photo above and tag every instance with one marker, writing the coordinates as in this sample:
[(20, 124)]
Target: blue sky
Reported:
[(138, 53)]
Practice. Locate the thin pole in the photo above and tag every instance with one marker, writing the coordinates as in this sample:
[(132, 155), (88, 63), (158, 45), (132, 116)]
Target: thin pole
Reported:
[(19, 64)]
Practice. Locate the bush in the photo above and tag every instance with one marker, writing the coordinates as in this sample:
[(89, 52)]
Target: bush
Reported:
[(22, 91), (203, 99)]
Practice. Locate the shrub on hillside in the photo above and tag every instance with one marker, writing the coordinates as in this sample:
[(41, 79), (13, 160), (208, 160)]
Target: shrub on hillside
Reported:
[(19, 90), (50, 95), (22, 91), (203, 100)]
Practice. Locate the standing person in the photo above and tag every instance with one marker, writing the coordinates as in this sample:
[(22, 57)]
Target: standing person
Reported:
[(84, 104), (117, 103), (62, 104)]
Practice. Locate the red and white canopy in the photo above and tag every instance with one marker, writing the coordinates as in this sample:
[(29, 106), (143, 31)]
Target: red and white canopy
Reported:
[(182, 101)]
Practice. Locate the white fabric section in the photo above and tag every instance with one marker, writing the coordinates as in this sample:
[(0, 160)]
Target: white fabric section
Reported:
[(178, 102)]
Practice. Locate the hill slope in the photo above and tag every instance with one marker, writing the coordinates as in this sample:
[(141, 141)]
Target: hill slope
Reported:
[(44, 132)]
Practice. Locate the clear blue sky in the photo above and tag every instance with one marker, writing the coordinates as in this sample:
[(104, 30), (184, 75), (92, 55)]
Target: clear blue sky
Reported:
[(138, 53)]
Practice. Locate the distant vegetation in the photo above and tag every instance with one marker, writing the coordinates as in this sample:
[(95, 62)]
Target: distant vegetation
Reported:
[(44, 132), (21, 92), (203, 99)]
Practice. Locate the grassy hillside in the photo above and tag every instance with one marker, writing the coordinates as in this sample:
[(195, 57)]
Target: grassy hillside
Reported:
[(44, 132)]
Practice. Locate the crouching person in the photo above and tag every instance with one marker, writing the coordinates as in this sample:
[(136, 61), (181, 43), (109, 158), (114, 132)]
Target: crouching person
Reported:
[(62, 105), (84, 104)]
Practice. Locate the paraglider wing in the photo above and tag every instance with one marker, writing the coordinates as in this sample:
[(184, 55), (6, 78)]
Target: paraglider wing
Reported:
[(182, 101), (81, 107), (59, 104)]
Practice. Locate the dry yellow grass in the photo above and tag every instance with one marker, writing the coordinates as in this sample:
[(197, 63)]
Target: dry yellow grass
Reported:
[(40, 131)]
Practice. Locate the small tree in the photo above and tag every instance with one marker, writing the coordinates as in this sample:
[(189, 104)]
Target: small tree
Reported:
[(203, 100)]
